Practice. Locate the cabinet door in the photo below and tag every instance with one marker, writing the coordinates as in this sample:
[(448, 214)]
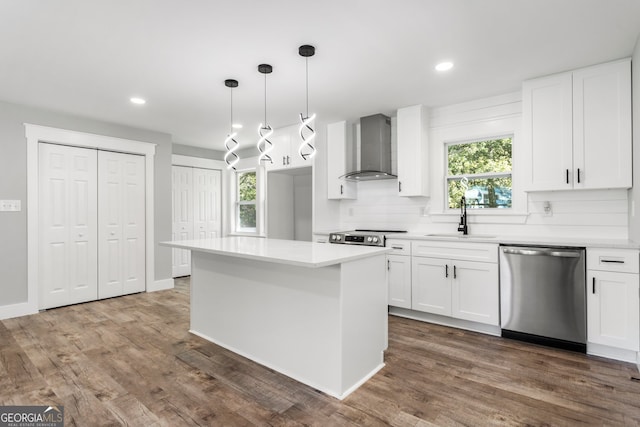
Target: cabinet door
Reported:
[(612, 309), (431, 285), (412, 151), (475, 292), (337, 163), (547, 131), (399, 280), (602, 126), (280, 154)]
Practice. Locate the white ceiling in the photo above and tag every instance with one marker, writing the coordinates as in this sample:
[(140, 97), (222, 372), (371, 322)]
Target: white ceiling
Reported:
[(89, 57)]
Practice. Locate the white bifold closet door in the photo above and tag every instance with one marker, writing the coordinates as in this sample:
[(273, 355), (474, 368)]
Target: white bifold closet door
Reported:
[(121, 225), (68, 225), (182, 228), (197, 210), (206, 203)]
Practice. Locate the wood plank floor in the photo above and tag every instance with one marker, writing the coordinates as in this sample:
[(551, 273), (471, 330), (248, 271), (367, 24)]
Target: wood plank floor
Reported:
[(131, 361)]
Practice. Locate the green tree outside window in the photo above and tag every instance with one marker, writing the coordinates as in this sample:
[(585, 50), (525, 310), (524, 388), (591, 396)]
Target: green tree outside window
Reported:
[(487, 165), (246, 212)]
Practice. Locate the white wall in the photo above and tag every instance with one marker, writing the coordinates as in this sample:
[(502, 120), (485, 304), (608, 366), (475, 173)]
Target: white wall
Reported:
[(597, 214)]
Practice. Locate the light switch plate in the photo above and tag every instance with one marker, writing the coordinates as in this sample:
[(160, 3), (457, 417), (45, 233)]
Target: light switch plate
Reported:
[(10, 206)]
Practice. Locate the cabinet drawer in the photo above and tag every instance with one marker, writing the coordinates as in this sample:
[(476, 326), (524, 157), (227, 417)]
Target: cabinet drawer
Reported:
[(482, 252), (621, 260), (400, 247)]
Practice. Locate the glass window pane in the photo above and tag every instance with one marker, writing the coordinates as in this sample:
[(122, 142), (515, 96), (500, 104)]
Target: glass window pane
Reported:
[(481, 193), (246, 186), (479, 157), (247, 216)]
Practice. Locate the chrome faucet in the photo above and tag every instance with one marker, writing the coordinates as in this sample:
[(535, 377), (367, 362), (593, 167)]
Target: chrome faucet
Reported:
[(462, 226)]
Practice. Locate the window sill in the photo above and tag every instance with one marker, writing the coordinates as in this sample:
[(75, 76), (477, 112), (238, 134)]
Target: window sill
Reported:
[(245, 233), (480, 216)]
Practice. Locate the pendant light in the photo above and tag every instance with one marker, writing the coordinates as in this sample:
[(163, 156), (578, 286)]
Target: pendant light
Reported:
[(306, 149), (230, 157), (264, 130)]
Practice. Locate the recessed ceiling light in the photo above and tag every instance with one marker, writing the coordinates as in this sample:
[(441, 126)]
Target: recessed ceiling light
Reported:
[(444, 66), (236, 126), (138, 101)]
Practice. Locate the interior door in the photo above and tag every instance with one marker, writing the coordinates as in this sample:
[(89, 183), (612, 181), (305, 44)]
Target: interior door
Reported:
[(206, 197), (68, 225), (182, 227), (121, 227)]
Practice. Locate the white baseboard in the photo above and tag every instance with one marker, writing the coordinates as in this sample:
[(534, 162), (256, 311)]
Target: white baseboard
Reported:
[(17, 310), (161, 285)]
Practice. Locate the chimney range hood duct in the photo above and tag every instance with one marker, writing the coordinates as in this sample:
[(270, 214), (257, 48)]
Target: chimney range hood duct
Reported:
[(375, 150)]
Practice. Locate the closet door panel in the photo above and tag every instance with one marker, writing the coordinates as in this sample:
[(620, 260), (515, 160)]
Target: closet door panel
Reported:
[(121, 224), (207, 210), (134, 224), (182, 213), (68, 225)]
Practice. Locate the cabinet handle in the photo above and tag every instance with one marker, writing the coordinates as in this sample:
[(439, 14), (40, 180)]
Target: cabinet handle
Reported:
[(593, 286), (341, 190), (446, 270), (578, 175), (567, 176), (399, 187), (454, 272)]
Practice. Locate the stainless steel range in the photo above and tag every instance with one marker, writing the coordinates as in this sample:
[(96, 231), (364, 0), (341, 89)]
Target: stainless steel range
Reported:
[(362, 237)]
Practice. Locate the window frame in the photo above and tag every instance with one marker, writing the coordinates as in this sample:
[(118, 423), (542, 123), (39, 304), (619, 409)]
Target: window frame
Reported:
[(482, 175)]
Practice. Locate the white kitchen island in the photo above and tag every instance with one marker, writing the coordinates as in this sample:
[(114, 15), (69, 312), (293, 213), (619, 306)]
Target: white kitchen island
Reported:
[(315, 312)]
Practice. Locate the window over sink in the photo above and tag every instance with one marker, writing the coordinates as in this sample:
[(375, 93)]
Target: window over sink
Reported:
[(479, 170)]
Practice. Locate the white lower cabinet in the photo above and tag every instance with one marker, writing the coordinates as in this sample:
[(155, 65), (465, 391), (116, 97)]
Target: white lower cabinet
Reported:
[(452, 279), (465, 290), (399, 273), (399, 279), (613, 298)]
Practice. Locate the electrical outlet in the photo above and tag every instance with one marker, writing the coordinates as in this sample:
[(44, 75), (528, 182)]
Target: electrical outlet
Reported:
[(10, 206)]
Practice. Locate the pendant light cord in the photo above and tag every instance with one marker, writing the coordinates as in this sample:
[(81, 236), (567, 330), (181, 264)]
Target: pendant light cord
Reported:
[(306, 61)]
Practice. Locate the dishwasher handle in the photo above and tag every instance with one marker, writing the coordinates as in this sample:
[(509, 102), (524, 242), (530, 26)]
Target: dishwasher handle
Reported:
[(542, 252)]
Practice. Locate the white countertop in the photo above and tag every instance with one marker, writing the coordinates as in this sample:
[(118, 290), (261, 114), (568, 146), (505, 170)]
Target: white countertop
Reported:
[(521, 240), (291, 252)]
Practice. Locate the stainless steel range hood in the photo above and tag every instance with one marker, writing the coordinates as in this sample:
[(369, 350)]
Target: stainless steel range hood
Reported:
[(375, 150)]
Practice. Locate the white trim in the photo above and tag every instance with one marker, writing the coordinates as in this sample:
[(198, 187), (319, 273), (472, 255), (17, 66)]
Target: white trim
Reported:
[(161, 285), (197, 162), (17, 310), (36, 134)]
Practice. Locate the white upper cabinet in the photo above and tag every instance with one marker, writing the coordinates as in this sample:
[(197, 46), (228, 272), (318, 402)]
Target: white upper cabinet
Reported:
[(577, 129), (337, 139), (413, 151), (285, 149)]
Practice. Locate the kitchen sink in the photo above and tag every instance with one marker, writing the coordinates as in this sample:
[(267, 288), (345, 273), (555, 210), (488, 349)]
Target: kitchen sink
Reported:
[(462, 236)]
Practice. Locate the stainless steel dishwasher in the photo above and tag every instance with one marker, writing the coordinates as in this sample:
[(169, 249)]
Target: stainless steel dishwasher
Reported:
[(542, 295)]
